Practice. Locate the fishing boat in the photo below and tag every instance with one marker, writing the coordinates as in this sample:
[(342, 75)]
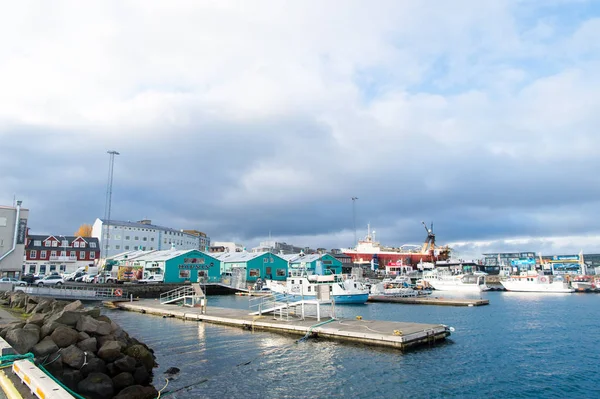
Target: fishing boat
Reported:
[(369, 252), (399, 287), (301, 284), (532, 281), (444, 281)]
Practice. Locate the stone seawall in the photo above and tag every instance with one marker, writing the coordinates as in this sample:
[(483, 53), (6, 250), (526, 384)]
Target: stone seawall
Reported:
[(86, 351)]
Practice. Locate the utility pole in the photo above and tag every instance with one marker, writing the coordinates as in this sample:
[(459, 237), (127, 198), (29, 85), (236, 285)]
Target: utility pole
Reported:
[(106, 233), (354, 218)]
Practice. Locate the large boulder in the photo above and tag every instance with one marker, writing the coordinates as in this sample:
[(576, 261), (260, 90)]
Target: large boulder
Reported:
[(48, 328), (110, 351), (33, 327), (88, 345), (11, 326), (141, 354), (126, 363), (137, 392), (43, 306), (83, 335), (71, 378), (36, 318), (67, 317), (54, 365), (92, 326), (96, 386), (22, 340), (73, 357), (142, 376), (76, 305), (44, 348), (94, 312), (122, 380), (64, 336), (93, 365)]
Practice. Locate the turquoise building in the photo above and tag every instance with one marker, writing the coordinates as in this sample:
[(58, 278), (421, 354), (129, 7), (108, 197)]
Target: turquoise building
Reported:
[(317, 263), (253, 265)]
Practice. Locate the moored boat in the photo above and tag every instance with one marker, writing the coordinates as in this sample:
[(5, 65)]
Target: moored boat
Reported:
[(473, 282), (532, 281)]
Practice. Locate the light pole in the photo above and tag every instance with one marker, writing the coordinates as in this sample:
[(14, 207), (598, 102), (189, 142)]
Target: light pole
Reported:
[(63, 258), (106, 233), (354, 218)]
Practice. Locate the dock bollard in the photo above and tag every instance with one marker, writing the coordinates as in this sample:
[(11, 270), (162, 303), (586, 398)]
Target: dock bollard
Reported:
[(131, 298)]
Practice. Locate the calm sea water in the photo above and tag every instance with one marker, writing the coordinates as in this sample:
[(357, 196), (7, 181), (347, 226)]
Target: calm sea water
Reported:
[(520, 346)]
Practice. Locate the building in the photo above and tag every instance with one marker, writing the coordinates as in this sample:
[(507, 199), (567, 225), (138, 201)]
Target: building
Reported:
[(142, 235), (346, 260), (253, 265), (280, 248), (226, 246), (13, 234), (493, 262), (177, 266), (317, 263), (204, 240), (45, 254)]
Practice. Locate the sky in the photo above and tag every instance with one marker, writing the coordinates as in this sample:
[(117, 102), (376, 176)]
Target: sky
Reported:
[(249, 119)]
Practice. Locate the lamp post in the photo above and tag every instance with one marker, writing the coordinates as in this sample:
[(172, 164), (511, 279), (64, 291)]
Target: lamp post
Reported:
[(105, 232), (354, 218), (63, 258)]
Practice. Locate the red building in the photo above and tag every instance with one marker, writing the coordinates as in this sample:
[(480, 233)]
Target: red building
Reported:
[(62, 254)]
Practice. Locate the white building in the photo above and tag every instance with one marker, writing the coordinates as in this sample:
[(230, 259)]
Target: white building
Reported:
[(143, 236), (13, 236), (226, 246)]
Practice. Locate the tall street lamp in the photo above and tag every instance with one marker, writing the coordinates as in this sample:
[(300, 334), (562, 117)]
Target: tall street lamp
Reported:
[(106, 233)]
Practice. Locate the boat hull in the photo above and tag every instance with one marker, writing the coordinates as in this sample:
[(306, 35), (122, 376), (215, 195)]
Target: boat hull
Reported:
[(516, 286), (339, 299), (458, 287)]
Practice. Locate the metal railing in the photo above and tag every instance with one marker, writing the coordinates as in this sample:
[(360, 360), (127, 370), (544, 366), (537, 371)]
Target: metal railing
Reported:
[(189, 295), (76, 292), (284, 306)]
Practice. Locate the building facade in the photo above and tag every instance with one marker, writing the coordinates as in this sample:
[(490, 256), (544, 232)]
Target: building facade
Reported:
[(46, 254), (315, 263), (226, 246), (253, 265), (280, 248), (203, 239), (126, 236), (13, 235)]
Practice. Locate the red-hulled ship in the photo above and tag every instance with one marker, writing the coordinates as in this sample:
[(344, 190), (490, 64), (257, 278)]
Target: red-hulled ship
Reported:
[(370, 252)]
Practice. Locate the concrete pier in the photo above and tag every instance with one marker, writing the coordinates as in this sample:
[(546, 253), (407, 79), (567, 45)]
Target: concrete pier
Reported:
[(429, 300), (400, 335)]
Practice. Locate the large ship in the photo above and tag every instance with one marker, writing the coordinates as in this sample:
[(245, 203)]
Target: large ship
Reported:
[(369, 252)]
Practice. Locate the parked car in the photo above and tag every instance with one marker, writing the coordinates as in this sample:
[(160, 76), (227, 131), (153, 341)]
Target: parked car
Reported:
[(90, 278), (153, 279), (80, 278), (73, 276), (12, 280), (53, 279), (29, 278)]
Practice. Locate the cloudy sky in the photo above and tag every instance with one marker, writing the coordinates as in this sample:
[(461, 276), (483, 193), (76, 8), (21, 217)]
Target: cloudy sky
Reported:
[(244, 118)]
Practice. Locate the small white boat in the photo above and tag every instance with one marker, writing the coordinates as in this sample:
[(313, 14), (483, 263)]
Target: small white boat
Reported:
[(472, 282), (301, 285), (532, 281)]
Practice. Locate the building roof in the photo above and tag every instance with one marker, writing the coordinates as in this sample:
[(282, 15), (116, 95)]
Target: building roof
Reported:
[(298, 258), (129, 255), (241, 256), (32, 238), (155, 255)]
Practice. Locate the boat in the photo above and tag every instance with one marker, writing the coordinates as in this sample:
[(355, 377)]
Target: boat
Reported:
[(582, 283), (464, 282), (533, 281), (369, 252), (399, 287), (301, 285)]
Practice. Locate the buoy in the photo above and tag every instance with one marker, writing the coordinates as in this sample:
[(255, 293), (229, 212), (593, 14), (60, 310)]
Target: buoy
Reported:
[(397, 332), (358, 317)]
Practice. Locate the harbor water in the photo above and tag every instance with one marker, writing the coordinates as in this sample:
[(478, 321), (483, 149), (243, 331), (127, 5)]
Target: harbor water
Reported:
[(520, 346)]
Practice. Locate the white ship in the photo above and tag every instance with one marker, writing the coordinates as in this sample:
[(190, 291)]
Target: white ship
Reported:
[(532, 281), (444, 281)]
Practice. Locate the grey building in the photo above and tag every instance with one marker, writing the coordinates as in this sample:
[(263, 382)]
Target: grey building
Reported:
[(13, 237)]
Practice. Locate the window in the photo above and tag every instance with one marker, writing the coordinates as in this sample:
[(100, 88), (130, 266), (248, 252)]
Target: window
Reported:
[(135, 248), (37, 243), (53, 254), (76, 244), (117, 247), (63, 268), (47, 244), (33, 254), (254, 273), (43, 269), (42, 254), (280, 272), (151, 248), (65, 243), (92, 245), (92, 255), (52, 268), (32, 269), (265, 260), (151, 238), (185, 274), (81, 255), (63, 253), (144, 239), (127, 238), (127, 247), (82, 245), (137, 238), (72, 254), (55, 243)]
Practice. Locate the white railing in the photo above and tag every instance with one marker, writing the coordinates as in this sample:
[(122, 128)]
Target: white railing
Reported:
[(76, 292), (188, 294)]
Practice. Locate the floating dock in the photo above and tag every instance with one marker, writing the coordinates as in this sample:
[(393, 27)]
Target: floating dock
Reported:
[(400, 335), (429, 300)]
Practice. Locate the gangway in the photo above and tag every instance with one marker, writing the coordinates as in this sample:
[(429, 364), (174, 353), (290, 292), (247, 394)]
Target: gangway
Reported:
[(189, 295), (281, 304), (76, 292)]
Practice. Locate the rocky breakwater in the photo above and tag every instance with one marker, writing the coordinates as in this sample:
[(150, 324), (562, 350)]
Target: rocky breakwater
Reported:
[(86, 351)]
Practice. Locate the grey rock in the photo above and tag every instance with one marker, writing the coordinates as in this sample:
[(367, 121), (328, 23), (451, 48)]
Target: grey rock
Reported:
[(122, 380), (69, 318), (110, 351), (143, 355), (36, 318), (54, 364), (76, 305), (93, 365), (137, 392), (33, 327), (141, 375), (96, 386), (71, 378), (83, 335), (92, 326), (93, 312), (126, 363), (112, 369), (88, 345), (43, 306), (64, 336), (73, 357), (48, 328), (22, 340), (30, 306), (104, 318), (44, 348)]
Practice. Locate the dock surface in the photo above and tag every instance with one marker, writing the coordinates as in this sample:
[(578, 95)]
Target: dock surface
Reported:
[(429, 300), (400, 335)]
